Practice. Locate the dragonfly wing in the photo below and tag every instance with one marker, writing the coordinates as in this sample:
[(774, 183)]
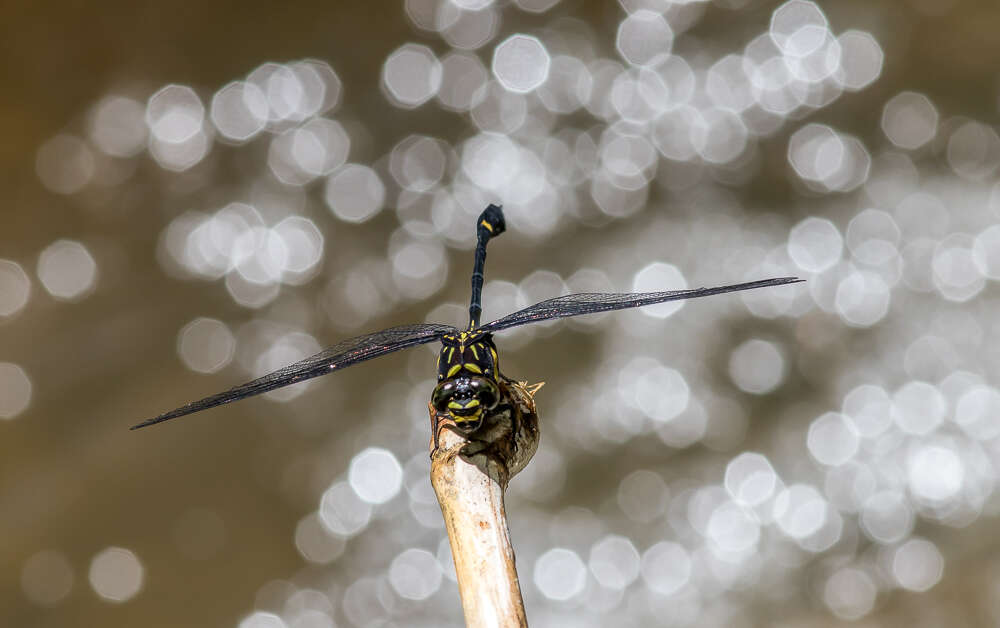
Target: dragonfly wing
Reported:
[(591, 302), (339, 356)]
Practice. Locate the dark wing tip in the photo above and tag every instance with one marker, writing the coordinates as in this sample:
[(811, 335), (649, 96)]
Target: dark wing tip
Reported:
[(784, 280), (760, 283), (173, 414), (146, 423)]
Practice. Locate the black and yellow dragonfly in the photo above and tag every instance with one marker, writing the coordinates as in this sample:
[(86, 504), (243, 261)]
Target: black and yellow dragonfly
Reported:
[(468, 389)]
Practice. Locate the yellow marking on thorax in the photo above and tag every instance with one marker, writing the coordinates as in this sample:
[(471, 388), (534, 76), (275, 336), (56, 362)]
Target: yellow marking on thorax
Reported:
[(472, 367), (474, 352), (451, 353), (454, 369), (488, 226)]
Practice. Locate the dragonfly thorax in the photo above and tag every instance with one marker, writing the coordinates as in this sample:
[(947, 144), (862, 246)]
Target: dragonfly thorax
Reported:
[(471, 353), (467, 378)]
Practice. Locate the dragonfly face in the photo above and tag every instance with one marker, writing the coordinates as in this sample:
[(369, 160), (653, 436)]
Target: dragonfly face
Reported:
[(468, 367)]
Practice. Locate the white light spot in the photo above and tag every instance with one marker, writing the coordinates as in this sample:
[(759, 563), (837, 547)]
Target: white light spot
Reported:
[(955, 269), (936, 474), (304, 245), (918, 408), (909, 120), (666, 567), (175, 114), (660, 277), (860, 59), (239, 111), (419, 162), (15, 287), (850, 593), (118, 126), (827, 160), (462, 81), (832, 439), (67, 270), (521, 63), (15, 390), (917, 565), (732, 529), (262, 619), (887, 517), (873, 237), (47, 578), (419, 268), (116, 574), (375, 475), (411, 75), (644, 38), (869, 408), (422, 13), (342, 512), (314, 149), (467, 29), (757, 366), (661, 393), (986, 252), (977, 412), (65, 164), (721, 137), (614, 561), (559, 574), (728, 85), (206, 345), (536, 6), (355, 193), (642, 496), (800, 511), (568, 87), (798, 28), (973, 151), (862, 298), (750, 479), (315, 543), (815, 244), (415, 574)]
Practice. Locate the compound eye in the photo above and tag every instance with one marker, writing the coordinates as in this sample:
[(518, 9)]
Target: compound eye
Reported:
[(443, 393), (486, 391)]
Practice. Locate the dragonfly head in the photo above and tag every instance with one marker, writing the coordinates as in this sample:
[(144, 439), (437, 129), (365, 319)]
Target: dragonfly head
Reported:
[(467, 400)]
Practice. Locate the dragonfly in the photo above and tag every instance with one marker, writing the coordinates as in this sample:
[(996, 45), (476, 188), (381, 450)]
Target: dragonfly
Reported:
[(468, 365)]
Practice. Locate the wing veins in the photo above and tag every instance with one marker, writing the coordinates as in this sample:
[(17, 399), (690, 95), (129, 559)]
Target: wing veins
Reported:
[(593, 302), (340, 355)]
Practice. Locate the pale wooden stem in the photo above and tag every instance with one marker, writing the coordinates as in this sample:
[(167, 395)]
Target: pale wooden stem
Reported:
[(472, 505), (470, 475)]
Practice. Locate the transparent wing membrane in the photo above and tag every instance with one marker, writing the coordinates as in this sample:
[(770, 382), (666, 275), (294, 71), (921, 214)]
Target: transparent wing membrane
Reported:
[(339, 356), (361, 348), (591, 302)]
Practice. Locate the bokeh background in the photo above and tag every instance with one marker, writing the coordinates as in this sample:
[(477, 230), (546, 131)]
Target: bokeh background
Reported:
[(195, 195)]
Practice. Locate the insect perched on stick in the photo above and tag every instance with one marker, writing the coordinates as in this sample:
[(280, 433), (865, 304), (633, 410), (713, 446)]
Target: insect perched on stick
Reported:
[(469, 377)]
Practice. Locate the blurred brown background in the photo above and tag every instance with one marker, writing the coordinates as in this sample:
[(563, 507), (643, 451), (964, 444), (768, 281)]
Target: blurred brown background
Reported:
[(209, 506)]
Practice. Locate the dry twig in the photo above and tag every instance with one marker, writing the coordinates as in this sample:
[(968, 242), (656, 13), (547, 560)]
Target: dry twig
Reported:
[(470, 475)]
